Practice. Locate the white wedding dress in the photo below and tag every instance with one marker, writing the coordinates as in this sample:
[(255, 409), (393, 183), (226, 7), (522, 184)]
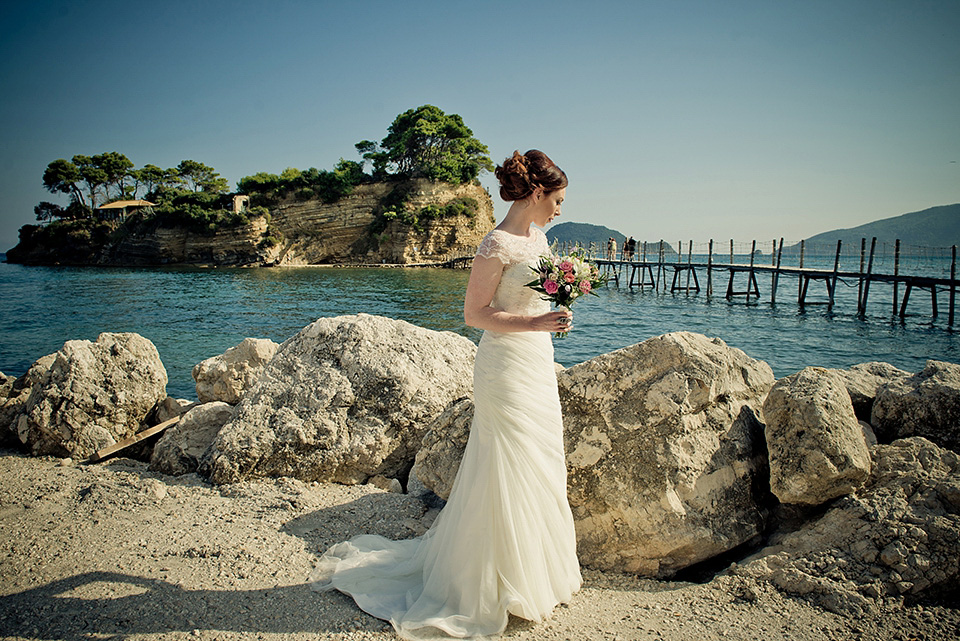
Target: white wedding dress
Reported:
[(504, 543)]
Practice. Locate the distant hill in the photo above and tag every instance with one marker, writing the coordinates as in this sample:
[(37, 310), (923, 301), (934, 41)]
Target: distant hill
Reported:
[(934, 227), (585, 233)]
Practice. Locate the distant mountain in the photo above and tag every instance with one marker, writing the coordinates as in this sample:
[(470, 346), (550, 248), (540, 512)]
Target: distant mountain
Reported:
[(934, 227), (585, 233)]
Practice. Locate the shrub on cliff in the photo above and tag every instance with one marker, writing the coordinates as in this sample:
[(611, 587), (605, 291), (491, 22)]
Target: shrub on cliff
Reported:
[(67, 242), (200, 211), (329, 186), (457, 207), (46, 211), (198, 219)]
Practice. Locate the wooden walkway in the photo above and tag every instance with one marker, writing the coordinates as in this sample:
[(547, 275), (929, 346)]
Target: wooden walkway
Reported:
[(651, 269), (741, 278)]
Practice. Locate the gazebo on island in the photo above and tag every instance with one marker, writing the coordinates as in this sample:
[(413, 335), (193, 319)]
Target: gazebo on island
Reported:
[(120, 209)]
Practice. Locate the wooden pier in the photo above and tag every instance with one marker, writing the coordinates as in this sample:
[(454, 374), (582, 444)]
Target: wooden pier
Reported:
[(651, 268)]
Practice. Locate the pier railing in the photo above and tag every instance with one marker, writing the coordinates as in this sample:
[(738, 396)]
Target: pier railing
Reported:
[(694, 267)]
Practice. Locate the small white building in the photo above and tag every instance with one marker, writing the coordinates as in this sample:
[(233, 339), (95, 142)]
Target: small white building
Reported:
[(240, 202)]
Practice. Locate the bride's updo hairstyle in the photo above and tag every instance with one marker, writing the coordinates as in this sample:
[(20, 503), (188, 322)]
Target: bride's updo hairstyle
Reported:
[(520, 174)]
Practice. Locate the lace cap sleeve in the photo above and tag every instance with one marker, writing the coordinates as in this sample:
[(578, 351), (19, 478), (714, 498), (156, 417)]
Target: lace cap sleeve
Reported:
[(542, 241), (492, 247)]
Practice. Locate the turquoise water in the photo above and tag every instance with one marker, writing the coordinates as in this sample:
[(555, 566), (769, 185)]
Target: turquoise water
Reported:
[(192, 314)]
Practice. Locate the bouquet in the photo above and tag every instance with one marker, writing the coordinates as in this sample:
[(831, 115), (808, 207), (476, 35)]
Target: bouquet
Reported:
[(563, 279)]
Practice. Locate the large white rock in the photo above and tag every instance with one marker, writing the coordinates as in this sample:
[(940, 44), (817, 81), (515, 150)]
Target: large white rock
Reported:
[(926, 404), (863, 381), (345, 399), (182, 446), (91, 395), (897, 535), (665, 452), (226, 377), (438, 458), (816, 445), (6, 386), (16, 397)]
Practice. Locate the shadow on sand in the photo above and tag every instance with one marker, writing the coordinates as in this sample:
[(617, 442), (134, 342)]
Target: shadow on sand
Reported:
[(138, 605)]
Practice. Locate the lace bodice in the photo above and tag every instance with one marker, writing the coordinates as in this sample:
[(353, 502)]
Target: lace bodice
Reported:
[(518, 254)]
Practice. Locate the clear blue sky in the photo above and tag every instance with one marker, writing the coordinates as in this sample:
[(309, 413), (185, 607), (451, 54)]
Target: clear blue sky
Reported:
[(673, 119)]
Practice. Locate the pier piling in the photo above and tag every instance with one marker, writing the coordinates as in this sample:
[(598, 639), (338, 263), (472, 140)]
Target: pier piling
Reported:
[(862, 309), (863, 252), (710, 269), (953, 282), (800, 281), (689, 269), (775, 278), (836, 268), (896, 274)]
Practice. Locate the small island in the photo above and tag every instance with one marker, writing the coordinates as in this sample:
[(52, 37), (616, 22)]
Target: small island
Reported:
[(419, 203)]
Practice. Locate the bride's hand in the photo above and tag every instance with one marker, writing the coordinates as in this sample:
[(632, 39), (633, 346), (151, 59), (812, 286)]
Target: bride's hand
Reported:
[(558, 321)]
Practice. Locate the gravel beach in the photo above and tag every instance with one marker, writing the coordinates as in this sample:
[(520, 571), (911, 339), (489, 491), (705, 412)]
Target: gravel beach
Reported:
[(115, 551)]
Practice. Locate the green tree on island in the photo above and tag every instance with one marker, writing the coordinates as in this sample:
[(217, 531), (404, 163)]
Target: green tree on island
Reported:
[(80, 177), (328, 186), (116, 169), (86, 178), (189, 195), (93, 178), (427, 143), (200, 177), (148, 177), (62, 177)]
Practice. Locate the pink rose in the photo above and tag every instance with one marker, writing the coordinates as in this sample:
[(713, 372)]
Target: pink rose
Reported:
[(585, 286), (569, 277), (566, 266), (550, 287)]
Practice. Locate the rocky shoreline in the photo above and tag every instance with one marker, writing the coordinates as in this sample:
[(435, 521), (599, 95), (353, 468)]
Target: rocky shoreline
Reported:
[(711, 500)]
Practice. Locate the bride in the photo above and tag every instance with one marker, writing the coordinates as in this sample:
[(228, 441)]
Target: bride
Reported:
[(504, 543)]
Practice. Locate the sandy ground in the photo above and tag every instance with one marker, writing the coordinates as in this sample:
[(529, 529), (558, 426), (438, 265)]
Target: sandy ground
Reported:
[(114, 551)]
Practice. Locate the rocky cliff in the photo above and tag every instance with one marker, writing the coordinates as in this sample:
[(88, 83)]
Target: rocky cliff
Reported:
[(377, 223), (354, 228), (241, 245)]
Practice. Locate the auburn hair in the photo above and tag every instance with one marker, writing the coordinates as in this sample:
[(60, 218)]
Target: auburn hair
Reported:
[(521, 174)]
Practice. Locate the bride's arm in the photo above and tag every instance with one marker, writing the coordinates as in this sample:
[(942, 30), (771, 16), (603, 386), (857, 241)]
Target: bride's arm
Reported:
[(477, 312)]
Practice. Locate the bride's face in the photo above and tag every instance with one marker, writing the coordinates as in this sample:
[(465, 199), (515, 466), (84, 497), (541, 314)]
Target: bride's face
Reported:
[(548, 207)]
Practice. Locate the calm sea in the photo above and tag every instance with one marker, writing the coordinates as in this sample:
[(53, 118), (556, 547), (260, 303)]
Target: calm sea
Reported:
[(192, 314)]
